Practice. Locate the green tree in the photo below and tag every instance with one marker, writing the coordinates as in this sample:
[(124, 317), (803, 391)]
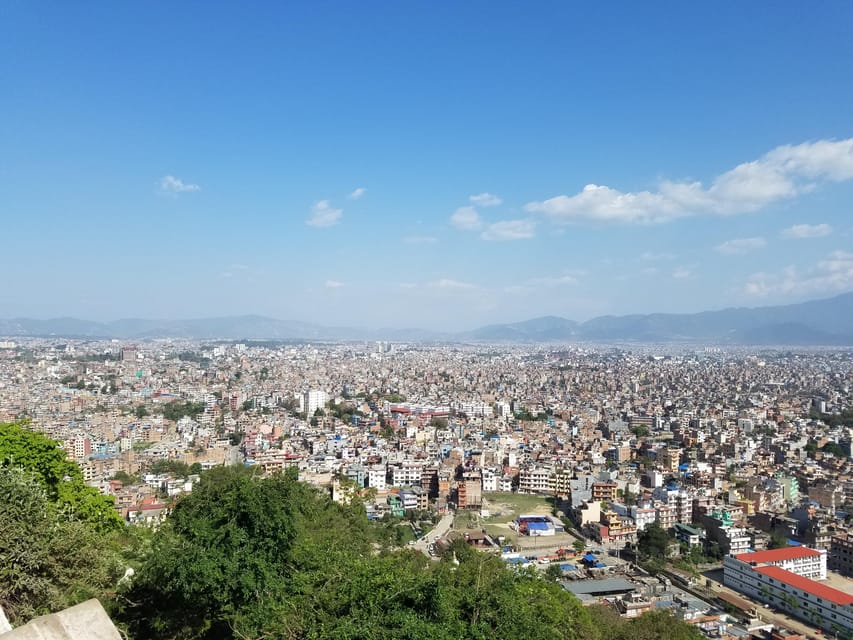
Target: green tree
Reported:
[(62, 479), (554, 572), (579, 546), (244, 556), (834, 448), (47, 562), (777, 541), (177, 468), (175, 410), (652, 544), (230, 555), (126, 478)]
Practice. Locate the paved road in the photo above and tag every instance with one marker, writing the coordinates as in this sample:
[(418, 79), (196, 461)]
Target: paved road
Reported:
[(439, 531)]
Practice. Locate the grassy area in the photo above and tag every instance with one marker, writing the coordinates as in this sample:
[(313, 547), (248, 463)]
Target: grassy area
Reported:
[(511, 505)]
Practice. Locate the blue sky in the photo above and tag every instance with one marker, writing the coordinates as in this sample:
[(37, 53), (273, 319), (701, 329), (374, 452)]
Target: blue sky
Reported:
[(440, 165)]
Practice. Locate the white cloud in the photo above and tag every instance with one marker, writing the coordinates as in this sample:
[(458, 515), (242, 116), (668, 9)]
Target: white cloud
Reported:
[(485, 200), (651, 256), (450, 284), (509, 230), (801, 231), (466, 218), (420, 240), (333, 284), (739, 246), (681, 273), (357, 193), (173, 186), (567, 278), (834, 273), (782, 173), (556, 281), (323, 215), (408, 285)]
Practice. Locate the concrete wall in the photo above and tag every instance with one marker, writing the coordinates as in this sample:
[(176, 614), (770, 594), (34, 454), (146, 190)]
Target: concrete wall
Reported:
[(85, 621)]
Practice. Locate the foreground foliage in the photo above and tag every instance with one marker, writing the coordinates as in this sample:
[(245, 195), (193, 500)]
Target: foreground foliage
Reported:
[(48, 561), (245, 557), (60, 477)]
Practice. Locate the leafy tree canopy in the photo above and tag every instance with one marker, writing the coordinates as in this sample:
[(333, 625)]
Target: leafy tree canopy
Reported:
[(61, 478), (244, 556), (47, 562)]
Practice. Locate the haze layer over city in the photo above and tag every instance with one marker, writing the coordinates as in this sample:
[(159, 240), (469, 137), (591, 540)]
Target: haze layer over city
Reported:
[(426, 320)]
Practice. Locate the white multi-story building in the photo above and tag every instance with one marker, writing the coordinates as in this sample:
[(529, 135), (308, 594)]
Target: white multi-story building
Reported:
[(313, 400), (534, 480), (505, 484), (406, 475), (376, 476), (475, 409), (782, 578), (643, 516), (805, 562), (504, 409), (490, 480)]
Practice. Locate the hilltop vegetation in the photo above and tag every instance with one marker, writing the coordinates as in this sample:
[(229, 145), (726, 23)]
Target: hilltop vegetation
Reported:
[(244, 556), (61, 542)]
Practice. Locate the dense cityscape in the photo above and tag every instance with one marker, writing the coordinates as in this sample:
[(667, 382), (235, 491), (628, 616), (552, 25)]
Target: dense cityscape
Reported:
[(477, 320), (643, 477)]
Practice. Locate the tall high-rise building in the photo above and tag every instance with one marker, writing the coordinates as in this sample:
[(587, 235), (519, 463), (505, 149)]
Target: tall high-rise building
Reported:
[(313, 400)]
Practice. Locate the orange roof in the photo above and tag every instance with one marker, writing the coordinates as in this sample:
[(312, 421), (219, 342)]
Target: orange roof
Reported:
[(778, 555), (809, 586)]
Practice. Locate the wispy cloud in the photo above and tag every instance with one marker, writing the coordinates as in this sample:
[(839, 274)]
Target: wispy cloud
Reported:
[(451, 285), (556, 281), (651, 256), (783, 173), (835, 273), (170, 185), (334, 284), (357, 193), (420, 240), (740, 246), (466, 218), (485, 200), (324, 215), (802, 231), (567, 278), (681, 273), (510, 230)]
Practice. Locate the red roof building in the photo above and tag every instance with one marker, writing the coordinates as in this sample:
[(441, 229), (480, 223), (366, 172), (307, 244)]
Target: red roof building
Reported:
[(813, 587)]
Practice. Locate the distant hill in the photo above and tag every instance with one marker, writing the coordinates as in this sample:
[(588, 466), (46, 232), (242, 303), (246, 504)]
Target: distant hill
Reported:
[(824, 322), (818, 322), (545, 329)]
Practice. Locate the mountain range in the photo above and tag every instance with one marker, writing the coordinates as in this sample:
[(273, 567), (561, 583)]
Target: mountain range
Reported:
[(819, 322)]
